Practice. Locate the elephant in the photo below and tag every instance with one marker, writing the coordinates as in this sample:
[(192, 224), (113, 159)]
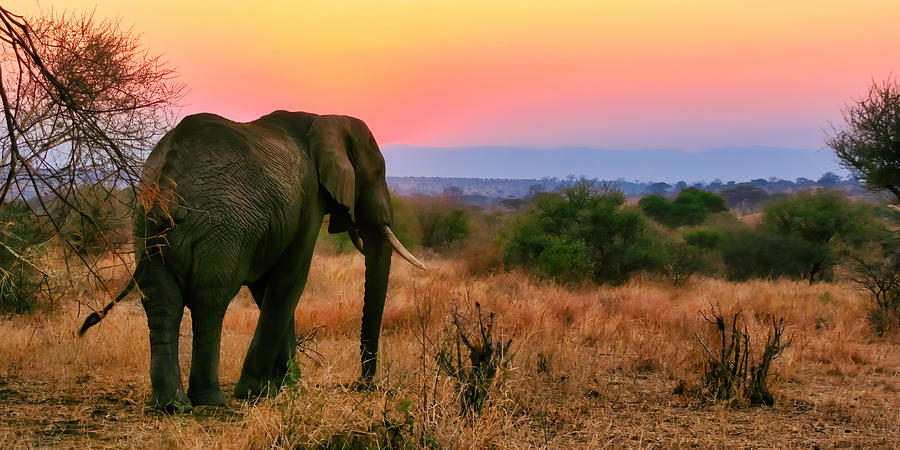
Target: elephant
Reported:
[(224, 204)]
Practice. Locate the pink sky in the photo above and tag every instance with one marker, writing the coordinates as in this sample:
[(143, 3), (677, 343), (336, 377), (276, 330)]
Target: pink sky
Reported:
[(689, 74)]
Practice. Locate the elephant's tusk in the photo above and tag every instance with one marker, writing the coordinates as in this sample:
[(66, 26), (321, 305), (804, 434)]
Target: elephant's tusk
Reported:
[(354, 238), (399, 248)]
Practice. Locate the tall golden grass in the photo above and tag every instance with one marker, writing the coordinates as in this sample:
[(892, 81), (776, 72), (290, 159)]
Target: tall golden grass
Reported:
[(590, 367)]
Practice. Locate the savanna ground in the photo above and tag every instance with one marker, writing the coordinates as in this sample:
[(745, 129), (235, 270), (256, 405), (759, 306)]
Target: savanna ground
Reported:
[(588, 368)]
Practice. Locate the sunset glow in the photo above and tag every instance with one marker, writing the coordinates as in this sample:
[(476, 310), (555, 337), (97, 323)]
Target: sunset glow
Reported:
[(652, 74)]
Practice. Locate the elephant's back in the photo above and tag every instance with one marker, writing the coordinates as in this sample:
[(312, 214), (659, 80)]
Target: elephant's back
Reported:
[(220, 171)]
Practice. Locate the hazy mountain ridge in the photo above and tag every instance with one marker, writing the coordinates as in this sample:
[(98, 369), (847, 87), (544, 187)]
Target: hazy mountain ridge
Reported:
[(511, 193), (737, 163)]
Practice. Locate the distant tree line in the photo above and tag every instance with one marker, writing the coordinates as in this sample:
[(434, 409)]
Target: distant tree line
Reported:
[(744, 197)]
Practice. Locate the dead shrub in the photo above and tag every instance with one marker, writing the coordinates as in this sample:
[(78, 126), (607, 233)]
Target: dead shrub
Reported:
[(734, 373), (487, 358), (481, 259), (882, 279)]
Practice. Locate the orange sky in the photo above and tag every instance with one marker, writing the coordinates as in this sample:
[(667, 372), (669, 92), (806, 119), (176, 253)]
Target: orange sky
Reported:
[(609, 74)]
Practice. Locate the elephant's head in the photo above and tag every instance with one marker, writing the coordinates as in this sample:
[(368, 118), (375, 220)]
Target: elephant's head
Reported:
[(351, 169)]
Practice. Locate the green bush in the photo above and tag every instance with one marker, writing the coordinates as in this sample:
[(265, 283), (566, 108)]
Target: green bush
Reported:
[(749, 252), (655, 207), (691, 207), (704, 239), (584, 232), (444, 224), (448, 229), (820, 223)]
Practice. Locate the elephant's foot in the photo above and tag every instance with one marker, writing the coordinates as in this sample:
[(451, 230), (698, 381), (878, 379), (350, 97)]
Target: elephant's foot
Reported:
[(176, 403), (209, 397), (250, 387)]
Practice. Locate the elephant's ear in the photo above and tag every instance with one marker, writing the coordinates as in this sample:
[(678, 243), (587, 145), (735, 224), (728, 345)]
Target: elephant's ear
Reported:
[(329, 149)]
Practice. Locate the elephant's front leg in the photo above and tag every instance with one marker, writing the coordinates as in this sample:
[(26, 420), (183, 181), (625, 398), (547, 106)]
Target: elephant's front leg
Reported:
[(289, 343), (286, 281), (258, 376), (165, 308)]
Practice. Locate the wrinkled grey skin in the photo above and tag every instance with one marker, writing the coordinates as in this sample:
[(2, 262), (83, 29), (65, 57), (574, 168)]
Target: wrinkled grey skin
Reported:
[(241, 204)]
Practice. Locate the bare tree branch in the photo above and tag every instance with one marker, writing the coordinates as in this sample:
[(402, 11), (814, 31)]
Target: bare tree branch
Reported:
[(83, 103)]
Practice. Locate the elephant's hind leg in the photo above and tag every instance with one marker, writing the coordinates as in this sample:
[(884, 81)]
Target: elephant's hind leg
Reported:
[(203, 384), (164, 306)]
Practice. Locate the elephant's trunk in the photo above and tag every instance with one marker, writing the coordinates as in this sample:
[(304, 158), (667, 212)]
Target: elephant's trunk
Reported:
[(378, 265)]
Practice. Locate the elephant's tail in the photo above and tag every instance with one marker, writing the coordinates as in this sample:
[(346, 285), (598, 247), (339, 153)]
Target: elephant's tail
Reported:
[(96, 317)]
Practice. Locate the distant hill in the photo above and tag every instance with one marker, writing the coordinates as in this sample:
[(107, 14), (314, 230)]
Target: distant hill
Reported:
[(744, 196), (744, 163)]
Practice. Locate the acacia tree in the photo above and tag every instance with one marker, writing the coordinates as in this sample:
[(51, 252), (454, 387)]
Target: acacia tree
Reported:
[(83, 102), (870, 145), (818, 222), (870, 148)]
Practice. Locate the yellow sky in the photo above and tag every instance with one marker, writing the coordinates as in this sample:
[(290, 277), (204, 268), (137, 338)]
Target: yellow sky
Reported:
[(678, 74)]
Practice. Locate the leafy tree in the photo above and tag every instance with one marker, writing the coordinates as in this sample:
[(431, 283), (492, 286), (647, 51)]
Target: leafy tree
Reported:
[(655, 207), (691, 207), (869, 146), (820, 220), (584, 232), (448, 230)]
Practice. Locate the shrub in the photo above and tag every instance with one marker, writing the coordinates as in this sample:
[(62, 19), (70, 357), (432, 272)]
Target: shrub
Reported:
[(881, 278), (406, 224), (754, 253), (817, 222), (482, 253), (448, 229), (682, 261), (487, 357), (704, 239), (583, 233), (22, 241), (691, 207), (655, 207), (733, 372), (442, 223)]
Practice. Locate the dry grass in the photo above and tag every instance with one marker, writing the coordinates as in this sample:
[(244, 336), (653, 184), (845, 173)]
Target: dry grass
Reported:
[(593, 368)]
